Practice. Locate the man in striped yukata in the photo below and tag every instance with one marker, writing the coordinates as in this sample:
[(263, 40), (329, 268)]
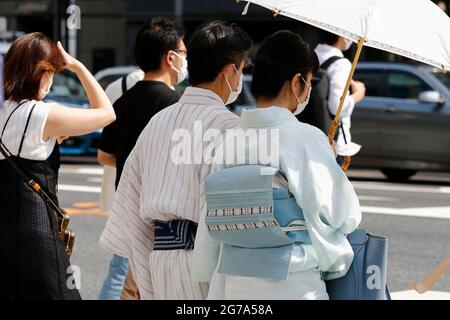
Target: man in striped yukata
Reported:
[(158, 201)]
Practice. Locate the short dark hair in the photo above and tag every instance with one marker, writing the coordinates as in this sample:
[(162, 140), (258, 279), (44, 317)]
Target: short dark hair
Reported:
[(329, 38), (28, 59), (154, 40), (212, 46), (280, 57)]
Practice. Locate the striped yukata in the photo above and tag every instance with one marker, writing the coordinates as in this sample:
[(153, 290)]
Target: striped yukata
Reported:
[(154, 188)]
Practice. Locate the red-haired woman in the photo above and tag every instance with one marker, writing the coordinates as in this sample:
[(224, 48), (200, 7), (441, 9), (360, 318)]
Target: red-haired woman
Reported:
[(33, 261)]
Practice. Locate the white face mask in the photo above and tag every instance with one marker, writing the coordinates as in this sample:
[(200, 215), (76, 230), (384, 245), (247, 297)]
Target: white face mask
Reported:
[(348, 44), (234, 94), (182, 74), (302, 105), (44, 93)]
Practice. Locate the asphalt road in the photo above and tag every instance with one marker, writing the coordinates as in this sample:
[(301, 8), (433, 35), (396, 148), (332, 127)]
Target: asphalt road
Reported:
[(415, 216)]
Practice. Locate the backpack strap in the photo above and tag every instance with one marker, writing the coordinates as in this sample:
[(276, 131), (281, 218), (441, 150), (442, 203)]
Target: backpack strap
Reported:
[(329, 62), (124, 85)]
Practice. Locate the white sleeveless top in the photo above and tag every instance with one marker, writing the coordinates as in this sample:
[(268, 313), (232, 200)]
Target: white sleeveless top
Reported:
[(34, 147)]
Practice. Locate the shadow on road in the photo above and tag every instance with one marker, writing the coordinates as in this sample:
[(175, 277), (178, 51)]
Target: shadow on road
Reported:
[(88, 160)]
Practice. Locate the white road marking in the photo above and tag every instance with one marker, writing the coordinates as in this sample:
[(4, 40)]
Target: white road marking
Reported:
[(414, 295), (375, 198), (83, 171), (74, 188), (422, 212), (406, 188), (94, 180)]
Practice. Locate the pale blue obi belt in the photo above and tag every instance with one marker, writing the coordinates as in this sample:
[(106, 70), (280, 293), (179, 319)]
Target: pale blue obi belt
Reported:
[(257, 224)]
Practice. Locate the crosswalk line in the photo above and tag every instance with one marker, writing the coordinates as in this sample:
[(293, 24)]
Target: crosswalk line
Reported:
[(75, 188), (358, 185), (83, 171), (421, 212)]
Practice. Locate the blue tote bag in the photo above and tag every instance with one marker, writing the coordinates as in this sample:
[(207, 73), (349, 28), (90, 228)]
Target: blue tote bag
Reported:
[(258, 225), (367, 277)]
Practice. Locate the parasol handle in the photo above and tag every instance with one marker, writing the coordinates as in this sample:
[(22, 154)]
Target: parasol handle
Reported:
[(335, 123)]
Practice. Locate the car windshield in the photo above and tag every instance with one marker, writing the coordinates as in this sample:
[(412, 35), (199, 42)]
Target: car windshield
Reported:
[(67, 85)]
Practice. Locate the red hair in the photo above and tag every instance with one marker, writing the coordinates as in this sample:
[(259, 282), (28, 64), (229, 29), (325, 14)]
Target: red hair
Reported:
[(28, 59)]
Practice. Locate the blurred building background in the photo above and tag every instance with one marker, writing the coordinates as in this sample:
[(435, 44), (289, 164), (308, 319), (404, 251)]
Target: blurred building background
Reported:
[(108, 27)]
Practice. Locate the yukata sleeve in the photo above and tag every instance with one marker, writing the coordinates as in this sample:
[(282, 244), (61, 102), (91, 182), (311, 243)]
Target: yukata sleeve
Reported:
[(126, 234)]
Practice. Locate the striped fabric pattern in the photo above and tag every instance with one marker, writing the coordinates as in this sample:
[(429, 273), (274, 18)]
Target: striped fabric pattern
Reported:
[(242, 226), (239, 211), (153, 187), (174, 235)]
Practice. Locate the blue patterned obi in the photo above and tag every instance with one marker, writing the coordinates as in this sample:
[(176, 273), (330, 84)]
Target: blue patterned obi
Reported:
[(257, 225)]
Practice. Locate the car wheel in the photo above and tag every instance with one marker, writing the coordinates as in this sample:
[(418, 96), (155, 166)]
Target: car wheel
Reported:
[(398, 175)]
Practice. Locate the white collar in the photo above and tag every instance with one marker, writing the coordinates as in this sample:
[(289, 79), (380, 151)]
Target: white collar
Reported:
[(195, 95)]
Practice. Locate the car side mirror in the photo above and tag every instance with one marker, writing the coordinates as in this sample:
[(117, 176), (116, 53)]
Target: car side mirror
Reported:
[(431, 97)]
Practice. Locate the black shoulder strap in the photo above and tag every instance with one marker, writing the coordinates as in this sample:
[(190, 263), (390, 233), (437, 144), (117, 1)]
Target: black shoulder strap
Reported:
[(25, 131), (329, 62), (9, 117), (124, 85)]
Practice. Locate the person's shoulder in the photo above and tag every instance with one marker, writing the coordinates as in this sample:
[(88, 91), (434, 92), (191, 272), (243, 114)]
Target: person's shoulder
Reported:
[(159, 120), (167, 91), (306, 130), (342, 63), (159, 94), (41, 106), (221, 118), (163, 112), (219, 110), (172, 94)]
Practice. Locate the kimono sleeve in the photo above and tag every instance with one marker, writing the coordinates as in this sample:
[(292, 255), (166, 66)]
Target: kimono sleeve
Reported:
[(331, 207)]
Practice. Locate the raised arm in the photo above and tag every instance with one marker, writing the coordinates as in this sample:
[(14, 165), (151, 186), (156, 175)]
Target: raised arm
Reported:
[(66, 121)]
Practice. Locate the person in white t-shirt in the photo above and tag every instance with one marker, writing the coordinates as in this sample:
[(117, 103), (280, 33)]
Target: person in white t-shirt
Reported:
[(334, 46), (34, 260)]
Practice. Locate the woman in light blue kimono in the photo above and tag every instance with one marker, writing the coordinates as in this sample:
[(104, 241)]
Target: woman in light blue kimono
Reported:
[(281, 85)]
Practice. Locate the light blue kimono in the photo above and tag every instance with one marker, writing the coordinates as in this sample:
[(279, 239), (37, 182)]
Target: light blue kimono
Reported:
[(330, 206)]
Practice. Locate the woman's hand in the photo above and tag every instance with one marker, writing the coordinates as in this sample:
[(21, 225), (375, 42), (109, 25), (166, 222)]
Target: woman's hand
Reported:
[(66, 121), (70, 63)]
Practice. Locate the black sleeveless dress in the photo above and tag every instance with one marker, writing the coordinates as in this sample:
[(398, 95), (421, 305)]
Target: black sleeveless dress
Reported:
[(33, 260)]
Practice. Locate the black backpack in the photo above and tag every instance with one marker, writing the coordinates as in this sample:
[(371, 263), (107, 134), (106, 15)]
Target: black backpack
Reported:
[(317, 113)]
